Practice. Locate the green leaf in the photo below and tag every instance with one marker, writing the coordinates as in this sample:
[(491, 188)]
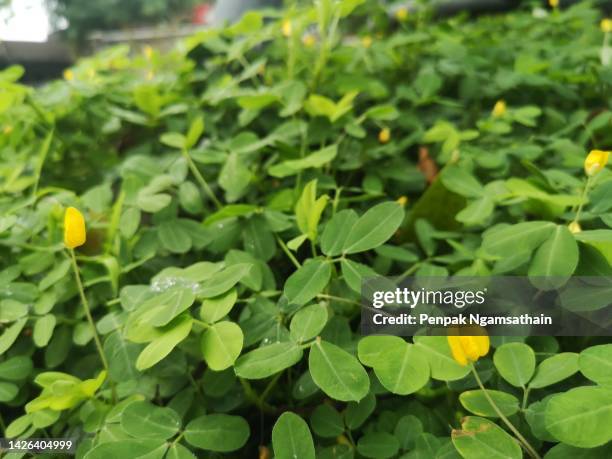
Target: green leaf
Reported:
[(378, 445), (476, 402), (174, 140), (308, 323), (214, 309), (308, 281), (10, 334), (326, 422), (196, 129), (174, 237), (268, 360), (224, 280), (121, 356), (337, 373), (172, 334), (402, 369), (16, 368), (43, 329), (477, 212), (291, 438), (353, 273), (358, 412), (441, 362), (595, 363), (317, 159), (11, 310), (581, 416), (555, 369), (8, 391), (336, 232), (371, 349), (308, 210), (145, 420), (460, 181), (161, 309), (555, 261), (479, 438), (515, 363), (218, 432), (374, 227), (221, 345), (504, 240), (127, 447)]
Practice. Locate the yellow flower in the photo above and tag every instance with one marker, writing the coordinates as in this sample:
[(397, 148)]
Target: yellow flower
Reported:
[(468, 348), (366, 41), (401, 14), (499, 109), (148, 52), (384, 135), (402, 201), (68, 75), (574, 227), (7, 129), (595, 161), (74, 228), (606, 25), (553, 3), (309, 40), (287, 28)]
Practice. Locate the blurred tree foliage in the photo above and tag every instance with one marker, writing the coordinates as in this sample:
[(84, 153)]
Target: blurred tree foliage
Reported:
[(86, 16)]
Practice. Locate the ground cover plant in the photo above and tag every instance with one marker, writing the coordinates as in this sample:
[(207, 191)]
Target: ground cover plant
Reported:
[(235, 191)]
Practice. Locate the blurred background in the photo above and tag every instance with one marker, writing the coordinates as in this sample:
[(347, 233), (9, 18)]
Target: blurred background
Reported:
[(46, 36)]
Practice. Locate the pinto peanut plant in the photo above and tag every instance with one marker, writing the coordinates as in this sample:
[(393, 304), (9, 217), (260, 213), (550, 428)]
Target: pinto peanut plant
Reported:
[(237, 189)]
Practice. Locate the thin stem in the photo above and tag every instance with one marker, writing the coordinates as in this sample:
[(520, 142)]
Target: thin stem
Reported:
[(337, 298), (585, 193), (203, 183), (532, 452), (288, 252), (85, 303), (252, 396), (525, 397)]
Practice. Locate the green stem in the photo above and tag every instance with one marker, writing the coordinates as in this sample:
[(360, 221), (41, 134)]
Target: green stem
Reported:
[(525, 397), (583, 197), (252, 396), (203, 183), (288, 252), (532, 452), (85, 303), (77, 276)]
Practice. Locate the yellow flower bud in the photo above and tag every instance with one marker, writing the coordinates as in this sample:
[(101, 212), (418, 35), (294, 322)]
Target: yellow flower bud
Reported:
[(287, 28), (68, 75), (148, 52), (401, 14), (553, 3), (499, 109), (366, 41), (595, 161), (606, 25), (342, 440), (309, 40), (467, 349), (402, 201), (74, 228), (574, 227), (384, 135)]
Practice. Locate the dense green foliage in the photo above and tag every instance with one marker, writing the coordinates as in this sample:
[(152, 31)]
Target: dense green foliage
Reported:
[(236, 191)]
